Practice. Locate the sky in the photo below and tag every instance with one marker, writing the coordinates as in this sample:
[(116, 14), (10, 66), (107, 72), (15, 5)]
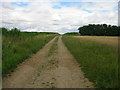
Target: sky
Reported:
[(57, 15)]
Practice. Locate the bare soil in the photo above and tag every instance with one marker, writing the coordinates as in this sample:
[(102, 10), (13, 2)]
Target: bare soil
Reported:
[(108, 40), (59, 70)]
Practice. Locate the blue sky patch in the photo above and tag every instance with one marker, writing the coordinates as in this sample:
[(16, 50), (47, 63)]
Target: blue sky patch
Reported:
[(68, 4), (71, 4), (86, 10), (21, 4), (57, 7)]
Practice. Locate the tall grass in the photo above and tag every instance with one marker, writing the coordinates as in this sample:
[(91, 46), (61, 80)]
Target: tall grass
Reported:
[(99, 62), (0, 57), (16, 49)]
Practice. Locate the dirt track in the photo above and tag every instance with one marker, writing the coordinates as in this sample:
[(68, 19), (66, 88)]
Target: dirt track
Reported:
[(60, 70)]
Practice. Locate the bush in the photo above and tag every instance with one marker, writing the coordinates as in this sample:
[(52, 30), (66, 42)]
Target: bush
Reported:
[(14, 32)]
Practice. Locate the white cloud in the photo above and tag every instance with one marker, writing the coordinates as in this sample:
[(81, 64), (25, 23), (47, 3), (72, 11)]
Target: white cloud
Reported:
[(41, 16), (60, 0)]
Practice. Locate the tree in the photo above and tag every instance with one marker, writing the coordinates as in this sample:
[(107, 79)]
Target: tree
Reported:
[(99, 30), (14, 32)]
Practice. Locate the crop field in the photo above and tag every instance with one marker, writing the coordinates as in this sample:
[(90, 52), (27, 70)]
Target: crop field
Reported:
[(98, 58), (18, 48), (107, 40)]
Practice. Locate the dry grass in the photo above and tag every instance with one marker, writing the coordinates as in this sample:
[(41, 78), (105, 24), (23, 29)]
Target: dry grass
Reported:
[(108, 40)]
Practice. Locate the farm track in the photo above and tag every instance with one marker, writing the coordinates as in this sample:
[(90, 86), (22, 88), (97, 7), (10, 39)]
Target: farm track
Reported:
[(60, 70)]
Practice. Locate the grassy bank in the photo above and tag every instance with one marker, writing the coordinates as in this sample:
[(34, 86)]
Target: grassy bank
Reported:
[(99, 62), (15, 49)]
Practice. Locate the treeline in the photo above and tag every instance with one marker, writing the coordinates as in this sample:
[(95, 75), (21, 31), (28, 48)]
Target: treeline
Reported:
[(16, 32), (99, 30), (8, 32), (72, 33)]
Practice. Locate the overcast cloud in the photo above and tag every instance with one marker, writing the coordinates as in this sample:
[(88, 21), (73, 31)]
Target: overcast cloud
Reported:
[(62, 17)]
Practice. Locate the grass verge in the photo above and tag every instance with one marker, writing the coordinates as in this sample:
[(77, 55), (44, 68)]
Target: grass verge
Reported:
[(99, 62), (17, 49)]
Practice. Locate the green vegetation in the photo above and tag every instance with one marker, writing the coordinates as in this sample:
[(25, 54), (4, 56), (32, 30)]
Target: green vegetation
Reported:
[(17, 46), (99, 30), (1, 57), (72, 33), (99, 62), (53, 47), (16, 32)]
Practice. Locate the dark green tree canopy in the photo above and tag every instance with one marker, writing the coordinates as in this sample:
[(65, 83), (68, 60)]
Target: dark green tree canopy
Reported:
[(12, 32), (99, 30)]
